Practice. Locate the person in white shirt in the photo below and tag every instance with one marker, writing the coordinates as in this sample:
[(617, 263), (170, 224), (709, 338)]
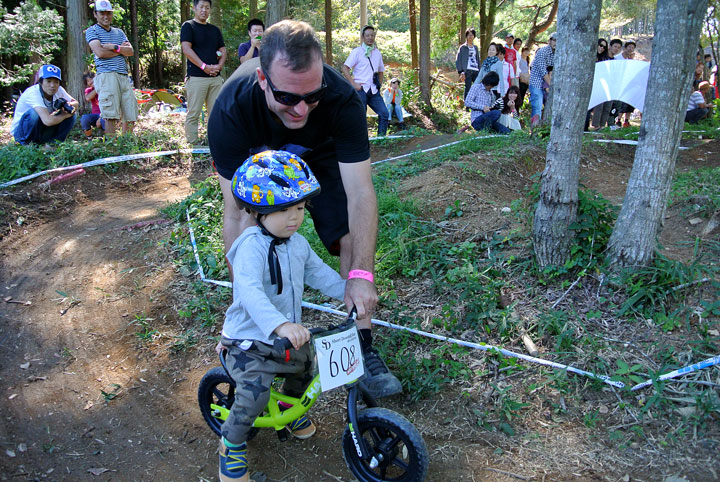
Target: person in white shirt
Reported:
[(45, 112), (368, 69)]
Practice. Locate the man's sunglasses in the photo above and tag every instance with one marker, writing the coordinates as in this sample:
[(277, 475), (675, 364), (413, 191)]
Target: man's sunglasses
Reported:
[(287, 98)]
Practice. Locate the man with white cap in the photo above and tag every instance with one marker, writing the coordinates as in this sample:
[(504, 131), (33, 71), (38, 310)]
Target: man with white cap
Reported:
[(45, 112), (110, 46)]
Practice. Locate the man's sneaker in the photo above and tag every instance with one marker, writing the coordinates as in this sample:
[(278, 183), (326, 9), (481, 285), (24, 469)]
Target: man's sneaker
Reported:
[(233, 463), (626, 124), (378, 381), (535, 120), (301, 428)]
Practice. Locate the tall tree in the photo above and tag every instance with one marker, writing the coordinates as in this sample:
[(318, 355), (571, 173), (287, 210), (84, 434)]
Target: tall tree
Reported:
[(462, 6), (575, 55), (539, 26), (276, 10), (77, 17), (134, 39), (488, 10), (413, 34), (253, 10), (328, 32), (184, 16), (425, 52), (677, 26)]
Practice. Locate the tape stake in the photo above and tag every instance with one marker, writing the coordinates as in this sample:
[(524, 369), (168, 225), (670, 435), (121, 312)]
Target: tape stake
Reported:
[(681, 371)]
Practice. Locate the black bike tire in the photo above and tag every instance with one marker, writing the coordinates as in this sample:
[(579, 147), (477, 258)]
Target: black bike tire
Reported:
[(209, 382), (381, 422)]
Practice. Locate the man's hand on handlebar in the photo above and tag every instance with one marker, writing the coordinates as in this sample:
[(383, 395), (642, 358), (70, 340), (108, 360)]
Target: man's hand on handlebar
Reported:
[(297, 334)]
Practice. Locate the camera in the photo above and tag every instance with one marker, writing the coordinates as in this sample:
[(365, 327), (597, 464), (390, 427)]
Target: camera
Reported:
[(61, 105)]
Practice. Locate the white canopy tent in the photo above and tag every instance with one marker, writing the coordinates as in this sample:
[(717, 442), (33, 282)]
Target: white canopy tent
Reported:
[(624, 80)]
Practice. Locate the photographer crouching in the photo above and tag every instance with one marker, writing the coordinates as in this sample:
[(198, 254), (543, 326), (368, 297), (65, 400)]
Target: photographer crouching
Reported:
[(45, 112)]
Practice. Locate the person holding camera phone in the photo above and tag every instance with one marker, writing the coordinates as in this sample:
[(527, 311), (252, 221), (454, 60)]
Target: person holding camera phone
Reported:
[(45, 112), (367, 67)]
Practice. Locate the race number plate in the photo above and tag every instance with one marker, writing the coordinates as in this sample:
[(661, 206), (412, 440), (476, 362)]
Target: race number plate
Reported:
[(339, 358)]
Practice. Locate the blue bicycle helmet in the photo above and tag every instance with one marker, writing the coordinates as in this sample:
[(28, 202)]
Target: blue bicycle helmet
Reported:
[(272, 181)]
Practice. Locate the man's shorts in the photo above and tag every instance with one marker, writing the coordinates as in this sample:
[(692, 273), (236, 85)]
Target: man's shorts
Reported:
[(116, 97)]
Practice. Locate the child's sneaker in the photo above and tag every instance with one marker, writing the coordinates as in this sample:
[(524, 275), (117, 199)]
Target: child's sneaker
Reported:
[(626, 124), (233, 463), (301, 428)]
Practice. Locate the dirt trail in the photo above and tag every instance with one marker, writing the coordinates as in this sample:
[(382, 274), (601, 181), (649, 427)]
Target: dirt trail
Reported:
[(83, 398)]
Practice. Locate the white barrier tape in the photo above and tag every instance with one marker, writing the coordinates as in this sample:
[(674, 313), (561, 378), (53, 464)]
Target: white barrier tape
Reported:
[(681, 371), (629, 142), (377, 138), (468, 344), (108, 160), (435, 148)]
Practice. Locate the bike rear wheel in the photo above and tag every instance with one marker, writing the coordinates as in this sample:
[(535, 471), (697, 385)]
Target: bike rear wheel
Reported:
[(399, 447)]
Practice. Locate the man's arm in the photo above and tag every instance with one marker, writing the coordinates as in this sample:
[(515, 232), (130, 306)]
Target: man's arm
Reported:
[(223, 57), (348, 75), (51, 120), (363, 224), (254, 45), (235, 221), (188, 51), (106, 51)]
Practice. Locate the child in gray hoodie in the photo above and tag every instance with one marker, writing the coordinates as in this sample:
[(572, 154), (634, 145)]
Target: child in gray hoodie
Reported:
[(271, 263)]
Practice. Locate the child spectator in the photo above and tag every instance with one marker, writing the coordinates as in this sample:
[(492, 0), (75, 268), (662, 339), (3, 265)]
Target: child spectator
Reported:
[(393, 98), (524, 67), (271, 262), (88, 121), (509, 114), (505, 80)]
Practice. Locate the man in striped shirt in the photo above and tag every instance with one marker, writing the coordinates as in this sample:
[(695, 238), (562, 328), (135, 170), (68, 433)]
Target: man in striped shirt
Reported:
[(111, 46), (544, 58)]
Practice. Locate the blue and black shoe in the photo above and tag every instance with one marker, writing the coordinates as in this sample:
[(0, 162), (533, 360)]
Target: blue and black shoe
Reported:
[(233, 463)]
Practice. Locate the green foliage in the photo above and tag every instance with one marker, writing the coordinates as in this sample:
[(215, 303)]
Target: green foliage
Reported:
[(17, 160), (697, 190), (28, 38)]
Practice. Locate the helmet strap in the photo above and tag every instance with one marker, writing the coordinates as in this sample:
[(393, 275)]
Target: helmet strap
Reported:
[(273, 261)]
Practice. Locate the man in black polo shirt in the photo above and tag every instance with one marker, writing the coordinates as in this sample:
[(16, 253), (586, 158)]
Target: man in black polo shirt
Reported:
[(290, 100), (203, 45)]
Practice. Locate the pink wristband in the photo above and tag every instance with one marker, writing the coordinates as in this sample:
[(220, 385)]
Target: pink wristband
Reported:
[(359, 273), (203, 66)]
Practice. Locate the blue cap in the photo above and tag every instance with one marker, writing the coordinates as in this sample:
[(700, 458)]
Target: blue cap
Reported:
[(50, 71)]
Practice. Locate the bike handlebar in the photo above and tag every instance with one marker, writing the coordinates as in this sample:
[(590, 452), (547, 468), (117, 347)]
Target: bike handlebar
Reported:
[(283, 344)]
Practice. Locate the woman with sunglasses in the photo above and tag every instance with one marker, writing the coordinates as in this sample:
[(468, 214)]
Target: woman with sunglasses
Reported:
[(393, 99), (601, 112)]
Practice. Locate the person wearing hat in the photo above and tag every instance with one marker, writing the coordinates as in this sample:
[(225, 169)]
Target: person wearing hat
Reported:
[(511, 57), (110, 46), (45, 112), (544, 58), (393, 101), (366, 64)]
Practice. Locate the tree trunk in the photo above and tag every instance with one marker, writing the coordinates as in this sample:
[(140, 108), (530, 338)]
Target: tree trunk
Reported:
[(425, 52), (134, 38), (538, 28), (413, 35), (634, 238), (363, 13), (276, 10), (184, 17), (575, 56), (487, 23), (76, 21), (462, 5), (217, 14), (253, 11), (328, 32)]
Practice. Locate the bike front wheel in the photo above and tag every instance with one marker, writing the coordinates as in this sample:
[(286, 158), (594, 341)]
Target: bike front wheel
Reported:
[(216, 388), (399, 448)]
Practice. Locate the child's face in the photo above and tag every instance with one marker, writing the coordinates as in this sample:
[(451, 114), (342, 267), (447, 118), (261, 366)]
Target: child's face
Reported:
[(285, 223), (90, 81)]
